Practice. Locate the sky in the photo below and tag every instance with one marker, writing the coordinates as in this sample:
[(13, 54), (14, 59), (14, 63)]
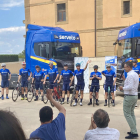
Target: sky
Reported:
[(12, 28)]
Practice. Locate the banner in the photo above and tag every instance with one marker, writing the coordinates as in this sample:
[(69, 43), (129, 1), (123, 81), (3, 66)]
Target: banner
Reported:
[(83, 62)]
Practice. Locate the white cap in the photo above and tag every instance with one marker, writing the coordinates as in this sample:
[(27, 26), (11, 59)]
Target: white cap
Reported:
[(23, 63), (3, 64), (108, 65)]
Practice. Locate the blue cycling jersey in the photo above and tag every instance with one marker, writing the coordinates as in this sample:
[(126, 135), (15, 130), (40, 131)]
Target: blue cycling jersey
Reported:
[(66, 75), (80, 75), (95, 81), (109, 76), (137, 69), (52, 74), (5, 73), (38, 76), (24, 73)]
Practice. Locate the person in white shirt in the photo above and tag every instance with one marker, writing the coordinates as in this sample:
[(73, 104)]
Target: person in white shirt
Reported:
[(99, 129), (130, 89)]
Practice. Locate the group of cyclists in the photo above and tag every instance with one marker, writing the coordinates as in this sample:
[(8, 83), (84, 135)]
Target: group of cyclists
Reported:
[(39, 78)]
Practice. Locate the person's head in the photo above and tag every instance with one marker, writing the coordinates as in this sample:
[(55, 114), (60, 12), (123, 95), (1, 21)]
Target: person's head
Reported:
[(134, 61), (10, 127), (65, 66), (78, 66), (23, 65), (3, 65), (108, 67), (51, 64), (128, 66), (37, 68), (95, 68), (46, 114), (101, 118)]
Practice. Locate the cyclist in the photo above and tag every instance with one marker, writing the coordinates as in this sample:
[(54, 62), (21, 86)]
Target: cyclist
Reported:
[(24, 73), (95, 77), (66, 82), (109, 74), (79, 73), (136, 68), (53, 75), (38, 77), (6, 76)]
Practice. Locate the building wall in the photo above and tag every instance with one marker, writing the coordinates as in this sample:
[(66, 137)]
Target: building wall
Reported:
[(80, 18)]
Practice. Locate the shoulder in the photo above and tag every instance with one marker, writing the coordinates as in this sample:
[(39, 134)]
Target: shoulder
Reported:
[(34, 134), (114, 131), (82, 70), (89, 134)]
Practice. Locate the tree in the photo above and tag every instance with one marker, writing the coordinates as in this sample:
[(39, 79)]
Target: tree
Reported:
[(22, 54)]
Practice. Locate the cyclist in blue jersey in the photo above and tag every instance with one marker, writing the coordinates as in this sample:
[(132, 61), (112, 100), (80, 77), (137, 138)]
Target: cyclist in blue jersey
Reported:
[(110, 81), (136, 68), (79, 73), (53, 76), (23, 75), (95, 77), (66, 75), (38, 77), (6, 76)]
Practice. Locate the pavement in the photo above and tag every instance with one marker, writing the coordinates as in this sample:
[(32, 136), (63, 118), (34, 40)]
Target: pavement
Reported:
[(77, 118)]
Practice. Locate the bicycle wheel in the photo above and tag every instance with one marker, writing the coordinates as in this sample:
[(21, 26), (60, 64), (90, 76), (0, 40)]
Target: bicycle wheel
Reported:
[(15, 94), (30, 95), (73, 97), (94, 98), (45, 99), (109, 94)]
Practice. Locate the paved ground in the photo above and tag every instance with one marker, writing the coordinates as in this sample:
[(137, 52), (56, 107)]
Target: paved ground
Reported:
[(77, 119)]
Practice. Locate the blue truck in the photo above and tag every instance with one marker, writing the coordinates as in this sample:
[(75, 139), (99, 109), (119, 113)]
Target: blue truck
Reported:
[(44, 44), (127, 49)]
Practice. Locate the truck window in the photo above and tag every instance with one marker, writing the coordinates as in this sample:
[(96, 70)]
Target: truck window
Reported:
[(42, 49)]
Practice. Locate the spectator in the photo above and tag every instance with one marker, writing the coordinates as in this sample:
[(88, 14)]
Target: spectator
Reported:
[(99, 129), (10, 127), (51, 129)]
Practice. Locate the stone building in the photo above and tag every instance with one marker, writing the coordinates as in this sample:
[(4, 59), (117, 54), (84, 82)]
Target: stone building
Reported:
[(79, 16)]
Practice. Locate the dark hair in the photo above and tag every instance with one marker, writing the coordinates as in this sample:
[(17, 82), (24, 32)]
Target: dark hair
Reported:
[(10, 127), (45, 114), (129, 64), (101, 118)]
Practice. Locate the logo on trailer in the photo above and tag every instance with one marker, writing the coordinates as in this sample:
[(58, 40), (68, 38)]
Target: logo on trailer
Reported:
[(123, 34), (67, 37)]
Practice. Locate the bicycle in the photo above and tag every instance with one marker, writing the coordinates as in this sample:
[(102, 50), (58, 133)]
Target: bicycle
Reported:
[(16, 91), (32, 93), (94, 93), (73, 95)]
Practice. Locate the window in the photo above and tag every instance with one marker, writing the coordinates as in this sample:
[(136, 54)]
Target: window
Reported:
[(61, 12), (126, 7), (42, 49)]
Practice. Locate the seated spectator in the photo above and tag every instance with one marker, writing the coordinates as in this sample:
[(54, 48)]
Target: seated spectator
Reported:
[(51, 129), (10, 127), (99, 129)]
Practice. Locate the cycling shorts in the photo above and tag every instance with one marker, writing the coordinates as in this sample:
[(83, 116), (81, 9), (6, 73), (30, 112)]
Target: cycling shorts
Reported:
[(97, 87), (4, 84), (39, 85), (111, 88), (24, 83), (80, 86), (52, 85), (66, 87)]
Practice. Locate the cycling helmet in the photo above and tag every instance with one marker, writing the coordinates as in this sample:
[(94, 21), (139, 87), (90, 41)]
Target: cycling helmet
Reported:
[(52, 60), (78, 64), (95, 67), (134, 61), (108, 65), (50, 63), (23, 63), (3, 64), (37, 66), (65, 64)]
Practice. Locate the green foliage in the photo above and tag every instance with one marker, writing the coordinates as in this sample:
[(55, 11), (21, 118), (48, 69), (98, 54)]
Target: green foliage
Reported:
[(22, 54), (8, 58)]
